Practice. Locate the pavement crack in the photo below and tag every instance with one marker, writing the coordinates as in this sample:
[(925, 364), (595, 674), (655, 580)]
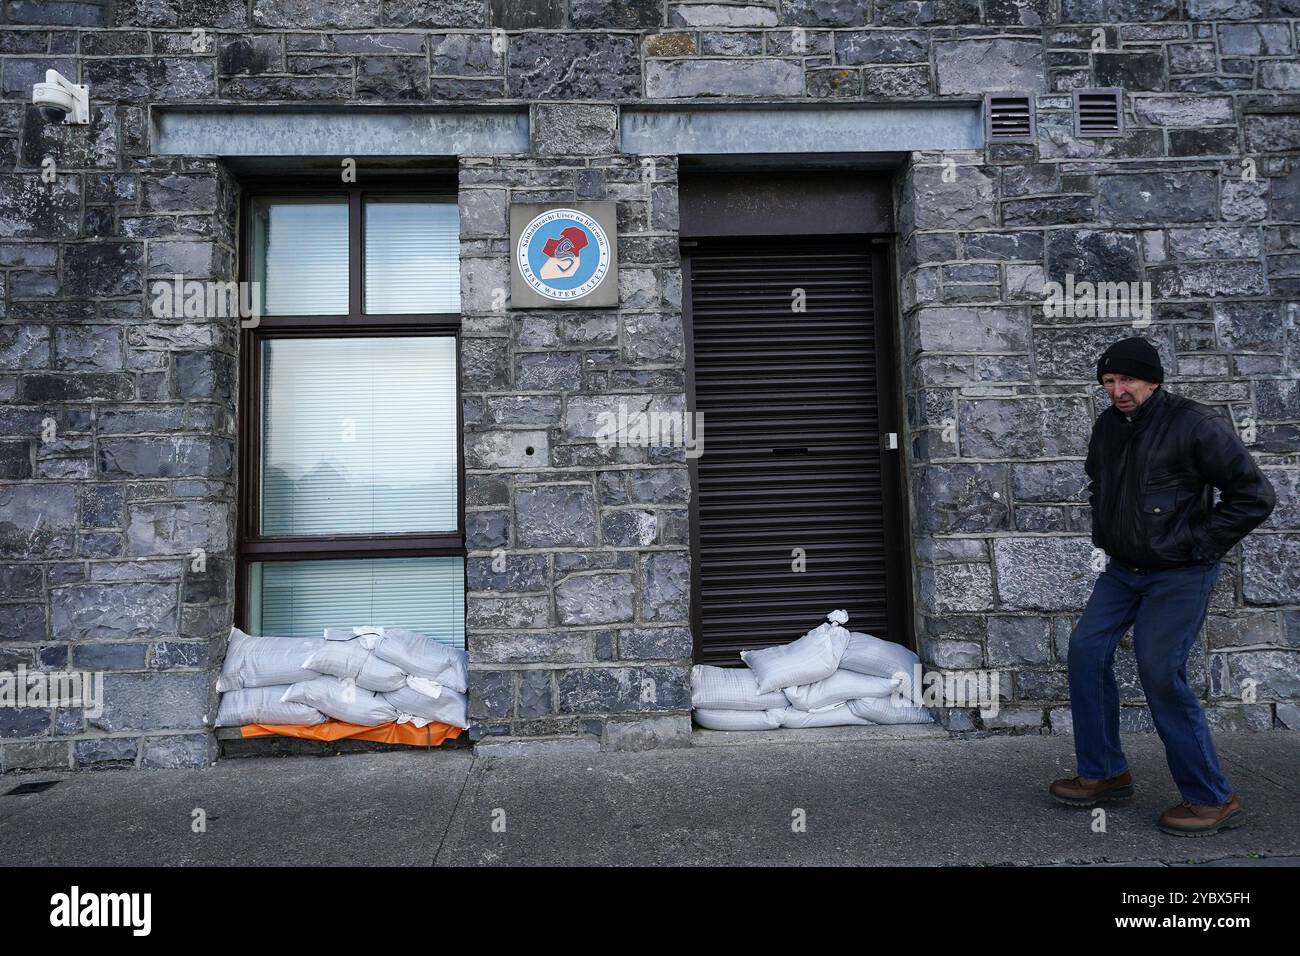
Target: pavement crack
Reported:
[(451, 817), (1252, 769)]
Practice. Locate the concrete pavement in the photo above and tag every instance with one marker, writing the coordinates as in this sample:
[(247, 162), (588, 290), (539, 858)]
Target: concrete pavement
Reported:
[(863, 800)]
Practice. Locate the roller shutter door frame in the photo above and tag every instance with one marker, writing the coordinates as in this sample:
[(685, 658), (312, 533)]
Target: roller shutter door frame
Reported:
[(788, 419)]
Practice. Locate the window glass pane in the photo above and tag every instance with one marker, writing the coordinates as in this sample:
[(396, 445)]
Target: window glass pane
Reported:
[(358, 435), (301, 250), (301, 598), (412, 257)]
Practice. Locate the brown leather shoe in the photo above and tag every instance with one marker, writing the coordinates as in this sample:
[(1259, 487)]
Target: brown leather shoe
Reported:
[(1086, 792), (1190, 819)]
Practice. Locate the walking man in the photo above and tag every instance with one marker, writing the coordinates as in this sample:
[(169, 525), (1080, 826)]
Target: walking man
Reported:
[(1154, 460)]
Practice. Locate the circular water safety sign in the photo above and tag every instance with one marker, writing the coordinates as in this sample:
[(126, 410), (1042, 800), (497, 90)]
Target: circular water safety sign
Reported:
[(563, 254)]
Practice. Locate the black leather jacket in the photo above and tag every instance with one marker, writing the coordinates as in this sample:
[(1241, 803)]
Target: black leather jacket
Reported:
[(1152, 480)]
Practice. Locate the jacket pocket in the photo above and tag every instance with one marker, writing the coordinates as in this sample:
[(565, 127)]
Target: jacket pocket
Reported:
[(1160, 503), (1200, 547), (1166, 541)]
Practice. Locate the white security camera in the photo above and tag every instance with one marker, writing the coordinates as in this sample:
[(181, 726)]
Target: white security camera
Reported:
[(61, 101)]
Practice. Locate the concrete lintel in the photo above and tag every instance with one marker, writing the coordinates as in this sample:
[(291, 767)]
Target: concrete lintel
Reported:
[(870, 128), (350, 131)]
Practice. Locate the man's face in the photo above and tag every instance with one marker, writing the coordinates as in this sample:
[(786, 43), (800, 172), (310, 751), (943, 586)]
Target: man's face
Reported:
[(1126, 392)]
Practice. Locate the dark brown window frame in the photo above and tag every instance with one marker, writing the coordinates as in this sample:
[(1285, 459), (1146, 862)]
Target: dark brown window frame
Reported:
[(251, 545)]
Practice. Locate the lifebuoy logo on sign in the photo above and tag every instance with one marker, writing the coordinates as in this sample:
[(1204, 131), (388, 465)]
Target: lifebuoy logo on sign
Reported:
[(563, 254)]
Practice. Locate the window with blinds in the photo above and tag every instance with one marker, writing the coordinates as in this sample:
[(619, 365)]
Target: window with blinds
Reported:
[(359, 435), (301, 598), (351, 497), (412, 257), (302, 256)]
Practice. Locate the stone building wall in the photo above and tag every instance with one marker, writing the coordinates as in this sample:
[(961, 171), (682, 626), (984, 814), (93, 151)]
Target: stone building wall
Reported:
[(586, 632), (117, 435), (1002, 400)]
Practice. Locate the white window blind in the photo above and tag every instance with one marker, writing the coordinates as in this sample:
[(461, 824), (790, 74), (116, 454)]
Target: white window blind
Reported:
[(302, 256), (359, 435), (412, 256), (301, 598)]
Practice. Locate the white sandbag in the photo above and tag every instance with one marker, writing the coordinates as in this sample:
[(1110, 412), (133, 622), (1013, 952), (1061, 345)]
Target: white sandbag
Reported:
[(448, 707), (380, 676), (814, 656), (422, 685), (837, 716), (265, 661), (342, 700), (730, 688), (262, 705), (716, 719), (867, 654), (841, 686), (368, 636), (350, 661), (885, 710), (425, 657), (419, 722)]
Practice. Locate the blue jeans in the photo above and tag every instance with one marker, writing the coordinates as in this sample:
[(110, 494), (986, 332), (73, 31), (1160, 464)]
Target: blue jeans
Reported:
[(1166, 610)]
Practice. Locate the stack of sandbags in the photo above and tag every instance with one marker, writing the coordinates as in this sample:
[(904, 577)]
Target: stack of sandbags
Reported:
[(350, 661), (872, 656), (364, 675), (262, 705), (728, 698), (830, 677), (342, 700), (825, 703), (256, 674), (265, 661), (873, 683), (753, 698), (437, 678), (813, 658)]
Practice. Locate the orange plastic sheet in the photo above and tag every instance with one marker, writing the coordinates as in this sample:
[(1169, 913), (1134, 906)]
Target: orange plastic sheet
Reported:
[(430, 735)]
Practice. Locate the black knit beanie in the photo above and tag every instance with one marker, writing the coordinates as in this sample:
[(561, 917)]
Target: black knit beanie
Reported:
[(1133, 356)]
